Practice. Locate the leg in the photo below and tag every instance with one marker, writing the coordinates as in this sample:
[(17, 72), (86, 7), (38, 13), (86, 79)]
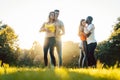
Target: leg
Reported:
[(80, 58), (83, 60), (59, 51), (85, 50), (91, 57), (52, 43), (46, 46), (92, 51)]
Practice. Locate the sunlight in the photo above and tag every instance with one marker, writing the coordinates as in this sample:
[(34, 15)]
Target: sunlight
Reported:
[(41, 38), (27, 42), (70, 15)]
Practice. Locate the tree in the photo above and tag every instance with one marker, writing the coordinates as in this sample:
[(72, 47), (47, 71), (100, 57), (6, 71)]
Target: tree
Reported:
[(115, 36), (108, 52), (8, 44), (32, 57), (36, 53), (70, 54)]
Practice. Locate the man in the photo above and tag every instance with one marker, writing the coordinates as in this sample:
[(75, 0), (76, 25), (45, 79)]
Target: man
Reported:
[(92, 43), (59, 32)]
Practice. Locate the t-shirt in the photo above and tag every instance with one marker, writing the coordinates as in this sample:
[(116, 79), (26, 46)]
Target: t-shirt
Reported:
[(59, 24), (91, 38)]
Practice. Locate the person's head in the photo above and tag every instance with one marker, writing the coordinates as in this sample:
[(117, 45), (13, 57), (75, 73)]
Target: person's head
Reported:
[(89, 20), (82, 22), (56, 13), (52, 16)]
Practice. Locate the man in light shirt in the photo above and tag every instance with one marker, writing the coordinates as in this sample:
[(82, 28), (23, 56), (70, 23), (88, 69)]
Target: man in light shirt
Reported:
[(91, 41), (59, 32)]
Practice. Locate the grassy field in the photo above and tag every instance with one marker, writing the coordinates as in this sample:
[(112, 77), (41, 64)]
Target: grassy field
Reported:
[(14, 73)]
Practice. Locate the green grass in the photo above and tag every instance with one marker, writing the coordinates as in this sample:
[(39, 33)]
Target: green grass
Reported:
[(58, 74)]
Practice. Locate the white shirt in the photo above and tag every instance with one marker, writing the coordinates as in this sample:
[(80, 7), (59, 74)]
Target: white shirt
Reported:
[(91, 38)]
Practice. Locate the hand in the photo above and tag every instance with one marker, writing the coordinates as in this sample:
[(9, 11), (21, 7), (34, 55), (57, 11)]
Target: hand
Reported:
[(47, 30)]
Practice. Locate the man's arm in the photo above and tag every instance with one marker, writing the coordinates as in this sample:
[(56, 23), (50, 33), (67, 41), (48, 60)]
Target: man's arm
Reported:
[(88, 34), (63, 30), (89, 29)]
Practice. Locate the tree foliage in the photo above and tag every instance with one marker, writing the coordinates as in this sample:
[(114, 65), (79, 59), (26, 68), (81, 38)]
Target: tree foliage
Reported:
[(32, 57), (108, 52), (8, 44), (71, 54)]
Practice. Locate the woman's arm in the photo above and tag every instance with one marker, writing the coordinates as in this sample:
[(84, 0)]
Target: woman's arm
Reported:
[(42, 29)]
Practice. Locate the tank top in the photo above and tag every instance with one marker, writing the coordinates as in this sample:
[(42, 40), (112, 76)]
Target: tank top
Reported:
[(50, 27), (83, 36)]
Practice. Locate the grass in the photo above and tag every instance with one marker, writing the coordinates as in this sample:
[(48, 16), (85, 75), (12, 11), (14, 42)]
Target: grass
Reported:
[(14, 73)]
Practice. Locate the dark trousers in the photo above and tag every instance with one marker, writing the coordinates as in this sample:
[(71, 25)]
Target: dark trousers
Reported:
[(90, 56), (49, 45)]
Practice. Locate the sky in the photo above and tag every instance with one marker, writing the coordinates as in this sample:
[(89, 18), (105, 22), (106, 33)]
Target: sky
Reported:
[(27, 16)]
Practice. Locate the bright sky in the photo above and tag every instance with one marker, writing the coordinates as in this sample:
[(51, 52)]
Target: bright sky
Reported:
[(27, 16)]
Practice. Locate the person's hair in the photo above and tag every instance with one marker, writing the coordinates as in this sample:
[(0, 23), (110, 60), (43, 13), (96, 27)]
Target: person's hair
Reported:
[(56, 10), (81, 21), (81, 26), (50, 14), (90, 18)]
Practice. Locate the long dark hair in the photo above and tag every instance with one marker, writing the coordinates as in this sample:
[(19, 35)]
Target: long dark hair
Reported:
[(81, 21), (50, 14)]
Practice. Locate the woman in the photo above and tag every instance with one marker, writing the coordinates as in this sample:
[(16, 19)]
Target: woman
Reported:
[(83, 52), (50, 29)]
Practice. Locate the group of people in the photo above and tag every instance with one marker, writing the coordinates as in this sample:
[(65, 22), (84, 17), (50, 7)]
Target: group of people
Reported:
[(88, 43), (54, 29)]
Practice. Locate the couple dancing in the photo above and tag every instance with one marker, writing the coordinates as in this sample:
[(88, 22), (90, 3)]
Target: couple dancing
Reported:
[(88, 43), (54, 29)]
